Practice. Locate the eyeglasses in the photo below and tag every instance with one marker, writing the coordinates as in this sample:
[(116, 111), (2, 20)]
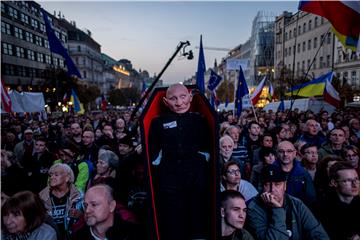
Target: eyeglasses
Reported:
[(234, 172), (289, 151), (349, 181)]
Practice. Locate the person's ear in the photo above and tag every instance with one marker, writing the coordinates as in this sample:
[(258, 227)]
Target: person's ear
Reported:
[(191, 96), (165, 101), (332, 183), (112, 205), (222, 212)]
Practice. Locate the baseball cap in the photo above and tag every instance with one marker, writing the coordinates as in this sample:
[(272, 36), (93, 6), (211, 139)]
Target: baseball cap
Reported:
[(272, 173)]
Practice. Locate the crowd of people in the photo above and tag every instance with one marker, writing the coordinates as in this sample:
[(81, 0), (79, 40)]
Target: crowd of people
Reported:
[(282, 175)]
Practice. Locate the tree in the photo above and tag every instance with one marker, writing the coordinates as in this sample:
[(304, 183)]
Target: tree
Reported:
[(225, 89), (124, 96)]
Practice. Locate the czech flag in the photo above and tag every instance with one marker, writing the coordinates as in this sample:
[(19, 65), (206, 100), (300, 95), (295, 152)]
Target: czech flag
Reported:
[(5, 99), (331, 95), (256, 94)]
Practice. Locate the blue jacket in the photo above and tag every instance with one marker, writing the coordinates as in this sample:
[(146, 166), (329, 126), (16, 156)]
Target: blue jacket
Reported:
[(300, 184)]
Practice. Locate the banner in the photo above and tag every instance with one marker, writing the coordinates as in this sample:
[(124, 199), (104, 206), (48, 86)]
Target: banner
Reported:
[(27, 101), (234, 64)]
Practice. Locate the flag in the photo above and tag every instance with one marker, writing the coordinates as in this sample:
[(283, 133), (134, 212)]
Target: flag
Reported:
[(57, 47), (331, 95), (313, 88), (212, 99), (346, 41), (271, 91), (281, 106), (256, 94), (214, 80), (343, 15), (226, 101), (200, 74), (103, 103), (5, 99), (78, 107), (241, 91)]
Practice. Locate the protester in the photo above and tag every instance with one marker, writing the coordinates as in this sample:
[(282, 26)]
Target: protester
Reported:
[(24, 217), (61, 198), (101, 220), (267, 157), (226, 149), (339, 210), (233, 215), (351, 154), (274, 214), (310, 158)]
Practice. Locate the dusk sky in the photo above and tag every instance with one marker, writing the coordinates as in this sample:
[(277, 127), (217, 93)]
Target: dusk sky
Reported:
[(147, 33)]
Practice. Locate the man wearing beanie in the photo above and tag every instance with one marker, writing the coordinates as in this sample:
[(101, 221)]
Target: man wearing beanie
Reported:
[(274, 214)]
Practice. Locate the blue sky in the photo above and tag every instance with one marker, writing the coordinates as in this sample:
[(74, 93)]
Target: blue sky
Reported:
[(147, 33)]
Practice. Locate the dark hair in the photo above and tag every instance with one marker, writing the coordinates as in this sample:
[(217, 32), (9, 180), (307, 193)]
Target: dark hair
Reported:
[(334, 169), (352, 148), (29, 205), (227, 165), (253, 122), (306, 146), (265, 151), (227, 194)]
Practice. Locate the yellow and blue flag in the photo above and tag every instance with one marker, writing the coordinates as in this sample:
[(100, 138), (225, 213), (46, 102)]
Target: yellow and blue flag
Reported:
[(346, 41), (78, 106), (313, 88)]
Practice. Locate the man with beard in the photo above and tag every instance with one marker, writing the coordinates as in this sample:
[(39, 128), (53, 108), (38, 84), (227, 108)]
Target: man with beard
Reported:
[(76, 134), (102, 222)]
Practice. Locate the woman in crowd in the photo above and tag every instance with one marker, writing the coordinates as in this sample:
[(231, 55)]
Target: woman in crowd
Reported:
[(266, 157), (23, 217), (231, 180), (106, 167), (61, 198)]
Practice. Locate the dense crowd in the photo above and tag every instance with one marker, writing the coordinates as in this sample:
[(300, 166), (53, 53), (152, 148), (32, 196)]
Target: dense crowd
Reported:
[(283, 175)]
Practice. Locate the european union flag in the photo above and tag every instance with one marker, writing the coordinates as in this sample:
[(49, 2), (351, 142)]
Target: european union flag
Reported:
[(57, 47), (214, 80), (241, 91), (200, 74)]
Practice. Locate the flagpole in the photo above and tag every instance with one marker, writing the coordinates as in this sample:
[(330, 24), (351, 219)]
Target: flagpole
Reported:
[(252, 106), (235, 86)]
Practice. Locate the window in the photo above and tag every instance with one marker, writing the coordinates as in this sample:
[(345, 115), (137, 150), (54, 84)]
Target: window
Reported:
[(9, 69), (46, 43), (21, 71), (84, 74), (322, 37), (285, 52), (55, 61), (315, 42), (38, 41), (304, 28), (61, 63), (286, 36), (18, 32), (30, 54), (327, 60), (13, 12), (304, 47), (29, 37), (316, 21), (328, 38), (48, 59), (290, 34), (40, 57), (289, 51), (79, 48), (20, 52), (7, 49), (298, 48), (5, 28), (34, 23), (309, 44), (353, 78), (63, 38), (57, 34), (42, 27), (314, 63), (303, 65), (2, 7), (298, 66), (321, 63), (24, 18), (299, 32), (308, 63), (32, 72)]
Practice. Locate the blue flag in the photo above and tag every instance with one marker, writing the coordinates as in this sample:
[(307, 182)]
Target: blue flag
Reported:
[(281, 106), (241, 91), (57, 47), (226, 101), (214, 80), (212, 100), (200, 74)]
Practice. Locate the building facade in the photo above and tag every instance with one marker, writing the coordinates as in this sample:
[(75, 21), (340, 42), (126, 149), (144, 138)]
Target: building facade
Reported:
[(25, 51)]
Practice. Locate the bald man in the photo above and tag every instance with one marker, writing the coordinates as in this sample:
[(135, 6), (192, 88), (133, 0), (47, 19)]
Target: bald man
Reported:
[(101, 220), (179, 151)]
